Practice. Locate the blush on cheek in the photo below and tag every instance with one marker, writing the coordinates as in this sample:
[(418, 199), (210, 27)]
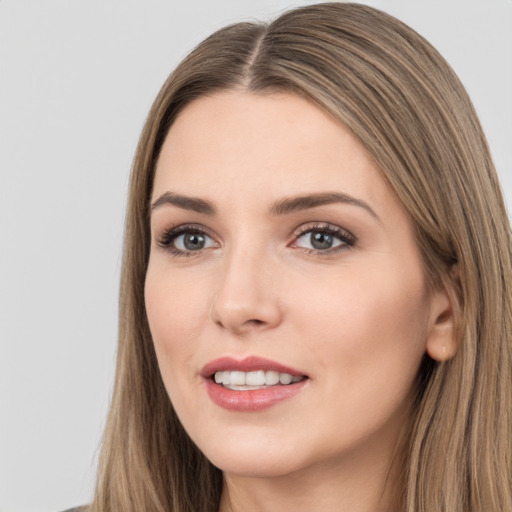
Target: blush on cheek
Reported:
[(381, 323), (174, 321)]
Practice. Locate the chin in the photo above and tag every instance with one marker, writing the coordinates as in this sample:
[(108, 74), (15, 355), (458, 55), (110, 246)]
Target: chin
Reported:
[(261, 467), (255, 459)]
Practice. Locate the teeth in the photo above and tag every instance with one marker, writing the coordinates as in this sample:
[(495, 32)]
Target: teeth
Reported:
[(237, 378), (272, 378), (256, 379), (285, 378)]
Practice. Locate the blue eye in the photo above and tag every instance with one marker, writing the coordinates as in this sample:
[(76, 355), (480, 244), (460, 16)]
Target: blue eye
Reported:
[(324, 239)]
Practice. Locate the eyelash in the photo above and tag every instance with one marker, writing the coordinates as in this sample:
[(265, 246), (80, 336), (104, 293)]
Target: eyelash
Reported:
[(168, 237), (347, 239)]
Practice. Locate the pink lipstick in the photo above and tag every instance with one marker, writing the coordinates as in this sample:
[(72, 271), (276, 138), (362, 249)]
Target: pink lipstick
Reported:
[(251, 384)]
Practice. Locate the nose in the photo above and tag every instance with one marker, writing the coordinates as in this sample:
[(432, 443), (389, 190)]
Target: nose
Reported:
[(247, 297)]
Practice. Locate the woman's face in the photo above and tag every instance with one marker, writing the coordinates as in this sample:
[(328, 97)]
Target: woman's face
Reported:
[(280, 254)]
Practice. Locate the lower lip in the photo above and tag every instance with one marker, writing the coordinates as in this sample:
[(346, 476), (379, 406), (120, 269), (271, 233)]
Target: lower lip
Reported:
[(251, 400)]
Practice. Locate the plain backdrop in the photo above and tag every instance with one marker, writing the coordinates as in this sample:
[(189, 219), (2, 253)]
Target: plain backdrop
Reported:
[(77, 78)]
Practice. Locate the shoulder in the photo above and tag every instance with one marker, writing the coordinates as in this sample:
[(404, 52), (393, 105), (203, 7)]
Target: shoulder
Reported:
[(76, 509)]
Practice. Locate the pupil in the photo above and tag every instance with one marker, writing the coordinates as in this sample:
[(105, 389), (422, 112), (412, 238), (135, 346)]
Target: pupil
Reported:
[(321, 240), (193, 241)]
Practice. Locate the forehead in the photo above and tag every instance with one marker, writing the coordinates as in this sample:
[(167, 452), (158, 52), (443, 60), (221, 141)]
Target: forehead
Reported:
[(236, 143)]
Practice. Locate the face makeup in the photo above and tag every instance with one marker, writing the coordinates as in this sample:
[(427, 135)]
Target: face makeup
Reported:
[(285, 291), (251, 384)]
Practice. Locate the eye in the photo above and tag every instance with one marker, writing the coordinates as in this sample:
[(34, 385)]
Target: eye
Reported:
[(192, 241), (186, 240), (324, 238)]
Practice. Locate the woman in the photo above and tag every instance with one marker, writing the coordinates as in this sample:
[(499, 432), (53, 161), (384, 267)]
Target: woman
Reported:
[(315, 294)]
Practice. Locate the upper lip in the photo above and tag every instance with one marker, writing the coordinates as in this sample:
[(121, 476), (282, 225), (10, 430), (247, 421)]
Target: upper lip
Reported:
[(248, 364)]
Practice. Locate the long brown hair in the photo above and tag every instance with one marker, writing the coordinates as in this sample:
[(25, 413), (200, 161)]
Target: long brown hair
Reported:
[(404, 102)]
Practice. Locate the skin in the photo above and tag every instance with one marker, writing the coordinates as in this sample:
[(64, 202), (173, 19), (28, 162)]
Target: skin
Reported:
[(356, 319)]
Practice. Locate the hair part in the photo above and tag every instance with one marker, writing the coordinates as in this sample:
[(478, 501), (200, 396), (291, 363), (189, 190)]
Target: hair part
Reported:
[(403, 101)]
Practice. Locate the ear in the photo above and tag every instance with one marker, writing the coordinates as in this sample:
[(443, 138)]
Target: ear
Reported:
[(442, 341)]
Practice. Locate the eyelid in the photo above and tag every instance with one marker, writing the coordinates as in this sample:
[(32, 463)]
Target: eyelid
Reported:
[(167, 236), (346, 237), (348, 240)]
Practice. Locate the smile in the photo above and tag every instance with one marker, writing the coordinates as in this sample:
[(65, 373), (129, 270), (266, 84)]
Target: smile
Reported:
[(251, 384), (259, 379)]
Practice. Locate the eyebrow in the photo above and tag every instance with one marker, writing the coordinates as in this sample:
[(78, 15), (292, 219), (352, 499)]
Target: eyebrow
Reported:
[(185, 203), (295, 204), (283, 206)]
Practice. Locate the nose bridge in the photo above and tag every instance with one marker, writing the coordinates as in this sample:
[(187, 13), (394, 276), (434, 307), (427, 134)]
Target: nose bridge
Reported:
[(245, 298)]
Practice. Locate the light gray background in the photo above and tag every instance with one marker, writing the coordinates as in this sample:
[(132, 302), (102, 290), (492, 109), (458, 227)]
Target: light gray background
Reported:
[(77, 78)]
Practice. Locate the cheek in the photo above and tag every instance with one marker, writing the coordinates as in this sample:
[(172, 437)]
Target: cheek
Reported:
[(176, 310), (373, 325), (368, 341)]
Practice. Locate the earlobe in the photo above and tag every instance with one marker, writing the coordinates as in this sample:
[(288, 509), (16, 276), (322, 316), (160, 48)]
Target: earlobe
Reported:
[(442, 340)]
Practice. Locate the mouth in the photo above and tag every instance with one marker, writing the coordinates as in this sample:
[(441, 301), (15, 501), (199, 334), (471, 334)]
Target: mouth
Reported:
[(260, 379), (251, 384)]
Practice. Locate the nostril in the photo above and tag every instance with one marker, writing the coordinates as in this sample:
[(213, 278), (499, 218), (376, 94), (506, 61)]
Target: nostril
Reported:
[(238, 315), (254, 323)]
